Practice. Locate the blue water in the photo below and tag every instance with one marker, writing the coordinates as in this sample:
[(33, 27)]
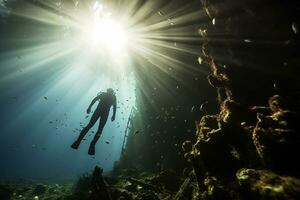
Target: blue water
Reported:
[(43, 100)]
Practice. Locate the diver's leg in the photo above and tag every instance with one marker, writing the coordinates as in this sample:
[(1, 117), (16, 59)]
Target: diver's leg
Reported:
[(102, 123), (84, 131)]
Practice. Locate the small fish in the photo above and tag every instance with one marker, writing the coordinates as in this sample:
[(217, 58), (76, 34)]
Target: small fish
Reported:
[(202, 105), (107, 142), (192, 109), (136, 132), (200, 60), (213, 21), (46, 98), (295, 28)]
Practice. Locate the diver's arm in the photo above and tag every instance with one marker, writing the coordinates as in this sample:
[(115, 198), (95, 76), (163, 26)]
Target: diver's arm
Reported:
[(114, 109), (92, 103)]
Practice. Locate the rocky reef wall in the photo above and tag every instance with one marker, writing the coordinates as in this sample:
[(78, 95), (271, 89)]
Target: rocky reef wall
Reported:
[(249, 147)]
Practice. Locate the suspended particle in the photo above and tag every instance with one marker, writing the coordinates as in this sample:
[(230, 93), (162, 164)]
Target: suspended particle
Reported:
[(207, 12), (213, 21), (76, 3), (58, 4), (136, 132), (202, 32), (295, 28), (203, 105), (247, 40), (192, 109), (138, 187), (200, 60), (171, 22)]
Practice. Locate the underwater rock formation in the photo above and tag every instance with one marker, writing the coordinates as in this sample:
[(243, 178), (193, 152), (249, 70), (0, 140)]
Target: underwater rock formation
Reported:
[(251, 52), (263, 184), (91, 187), (39, 189), (6, 192), (277, 138), (245, 136)]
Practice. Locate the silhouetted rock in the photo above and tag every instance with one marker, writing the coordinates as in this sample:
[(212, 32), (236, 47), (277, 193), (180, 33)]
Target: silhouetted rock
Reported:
[(39, 189), (6, 192)]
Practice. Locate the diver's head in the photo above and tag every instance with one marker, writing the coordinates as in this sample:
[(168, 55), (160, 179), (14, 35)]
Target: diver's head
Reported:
[(110, 91)]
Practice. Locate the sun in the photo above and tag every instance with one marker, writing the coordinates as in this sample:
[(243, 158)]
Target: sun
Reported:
[(106, 34)]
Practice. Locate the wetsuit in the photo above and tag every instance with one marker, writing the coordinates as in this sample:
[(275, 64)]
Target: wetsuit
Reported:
[(106, 100)]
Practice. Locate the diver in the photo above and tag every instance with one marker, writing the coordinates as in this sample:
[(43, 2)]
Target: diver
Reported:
[(106, 100)]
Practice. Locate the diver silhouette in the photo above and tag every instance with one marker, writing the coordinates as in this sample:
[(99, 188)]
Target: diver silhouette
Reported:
[(106, 100)]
